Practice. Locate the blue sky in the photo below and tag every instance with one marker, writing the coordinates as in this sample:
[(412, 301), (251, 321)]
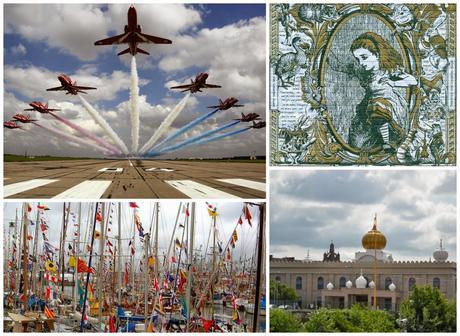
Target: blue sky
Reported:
[(228, 41)]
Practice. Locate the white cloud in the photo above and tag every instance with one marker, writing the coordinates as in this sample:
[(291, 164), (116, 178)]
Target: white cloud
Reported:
[(19, 49), (32, 82), (73, 28), (234, 55)]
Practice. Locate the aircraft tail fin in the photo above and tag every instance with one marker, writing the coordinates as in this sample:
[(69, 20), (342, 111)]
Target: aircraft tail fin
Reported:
[(123, 52), (139, 50)]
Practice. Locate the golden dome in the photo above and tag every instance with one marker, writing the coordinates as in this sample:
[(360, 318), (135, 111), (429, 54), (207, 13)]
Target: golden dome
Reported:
[(374, 239)]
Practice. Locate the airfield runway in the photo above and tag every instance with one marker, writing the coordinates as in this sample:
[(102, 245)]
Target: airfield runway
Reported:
[(128, 179)]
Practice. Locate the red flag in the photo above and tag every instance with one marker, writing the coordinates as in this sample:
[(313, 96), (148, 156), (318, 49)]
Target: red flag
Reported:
[(99, 217), (82, 267), (173, 259), (109, 243), (240, 221), (247, 215), (207, 324), (29, 208), (133, 205), (156, 286), (187, 213)]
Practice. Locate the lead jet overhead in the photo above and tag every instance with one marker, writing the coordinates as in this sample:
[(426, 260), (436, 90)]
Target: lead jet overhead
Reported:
[(197, 84), (25, 119), (226, 104), (11, 124), (260, 124), (69, 86), (248, 117), (40, 107), (133, 36)]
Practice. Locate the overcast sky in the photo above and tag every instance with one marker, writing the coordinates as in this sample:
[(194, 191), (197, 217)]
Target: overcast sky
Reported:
[(228, 215), (43, 40), (414, 210)]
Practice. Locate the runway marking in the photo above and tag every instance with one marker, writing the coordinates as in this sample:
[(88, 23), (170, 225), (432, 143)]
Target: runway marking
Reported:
[(197, 190), (111, 170), (245, 183), (16, 188), (159, 169), (86, 189)]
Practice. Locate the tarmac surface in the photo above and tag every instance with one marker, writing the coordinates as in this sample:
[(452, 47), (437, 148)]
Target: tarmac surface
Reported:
[(127, 179)]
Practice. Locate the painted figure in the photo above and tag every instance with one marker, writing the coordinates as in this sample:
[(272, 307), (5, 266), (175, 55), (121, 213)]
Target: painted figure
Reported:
[(381, 118)]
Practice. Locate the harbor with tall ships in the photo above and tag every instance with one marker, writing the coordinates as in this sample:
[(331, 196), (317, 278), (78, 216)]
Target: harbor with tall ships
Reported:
[(134, 267)]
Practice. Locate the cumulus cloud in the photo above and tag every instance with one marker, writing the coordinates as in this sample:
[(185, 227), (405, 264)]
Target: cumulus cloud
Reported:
[(309, 209), (73, 28)]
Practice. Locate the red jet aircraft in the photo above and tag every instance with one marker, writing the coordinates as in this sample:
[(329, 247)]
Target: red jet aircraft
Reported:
[(226, 104), (40, 107), (248, 117), (133, 36), (260, 124), (197, 84), (11, 124), (25, 119), (69, 86)]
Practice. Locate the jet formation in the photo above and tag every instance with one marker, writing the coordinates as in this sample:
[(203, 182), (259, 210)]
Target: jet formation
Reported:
[(197, 84), (248, 117), (133, 36), (25, 119), (11, 124)]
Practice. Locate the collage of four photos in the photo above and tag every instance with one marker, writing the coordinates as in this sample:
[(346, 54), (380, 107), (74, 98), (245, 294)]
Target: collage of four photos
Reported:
[(229, 167)]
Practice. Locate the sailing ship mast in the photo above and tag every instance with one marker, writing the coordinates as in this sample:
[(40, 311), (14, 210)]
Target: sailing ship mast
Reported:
[(189, 266), (260, 259), (25, 256)]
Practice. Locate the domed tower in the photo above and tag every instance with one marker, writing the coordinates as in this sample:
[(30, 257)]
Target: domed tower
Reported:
[(440, 255), (374, 239)]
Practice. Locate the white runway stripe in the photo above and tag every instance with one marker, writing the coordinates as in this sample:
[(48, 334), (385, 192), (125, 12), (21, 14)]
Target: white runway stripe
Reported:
[(197, 190), (245, 183), (86, 189), (16, 188)]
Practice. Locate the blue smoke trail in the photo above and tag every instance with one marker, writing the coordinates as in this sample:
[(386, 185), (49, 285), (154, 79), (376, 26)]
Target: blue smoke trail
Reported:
[(198, 137), (204, 141), (185, 128)]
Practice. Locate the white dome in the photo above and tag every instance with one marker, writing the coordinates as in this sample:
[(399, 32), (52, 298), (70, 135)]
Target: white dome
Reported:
[(372, 284), (392, 287), (349, 284), (440, 255), (330, 286), (361, 282)]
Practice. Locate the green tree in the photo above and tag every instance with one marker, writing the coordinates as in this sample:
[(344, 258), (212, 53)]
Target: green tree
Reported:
[(281, 292), (427, 310), (283, 321), (356, 319)]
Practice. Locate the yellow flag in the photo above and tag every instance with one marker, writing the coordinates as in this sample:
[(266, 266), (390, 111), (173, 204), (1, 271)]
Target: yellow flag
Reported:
[(50, 266), (212, 213), (151, 261), (150, 327), (72, 262)]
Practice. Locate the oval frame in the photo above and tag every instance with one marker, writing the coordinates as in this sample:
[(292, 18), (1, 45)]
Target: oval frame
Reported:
[(322, 65)]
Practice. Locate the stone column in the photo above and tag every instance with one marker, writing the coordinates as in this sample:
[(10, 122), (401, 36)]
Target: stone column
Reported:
[(345, 301), (393, 301)]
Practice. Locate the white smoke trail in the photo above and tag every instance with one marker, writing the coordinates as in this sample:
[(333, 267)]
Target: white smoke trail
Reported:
[(105, 126), (72, 138), (165, 124), (134, 97)]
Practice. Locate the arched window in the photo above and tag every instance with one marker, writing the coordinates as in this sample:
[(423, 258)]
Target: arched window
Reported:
[(387, 283), (278, 278), (342, 282), (436, 283), (298, 282), (411, 283), (320, 283)]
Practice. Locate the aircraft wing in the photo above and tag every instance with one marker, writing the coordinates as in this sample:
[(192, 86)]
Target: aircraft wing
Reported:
[(211, 86), (50, 109), (29, 109), (84, 87), (215, 106), (186, 86), (141, 37), (55, 88), (237, 105), (118, 39)]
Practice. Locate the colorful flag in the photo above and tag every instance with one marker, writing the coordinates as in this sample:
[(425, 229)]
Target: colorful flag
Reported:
[(247, 214), (126, 277), (139, 227), (82, 267), (240, 221), (133, 205)]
